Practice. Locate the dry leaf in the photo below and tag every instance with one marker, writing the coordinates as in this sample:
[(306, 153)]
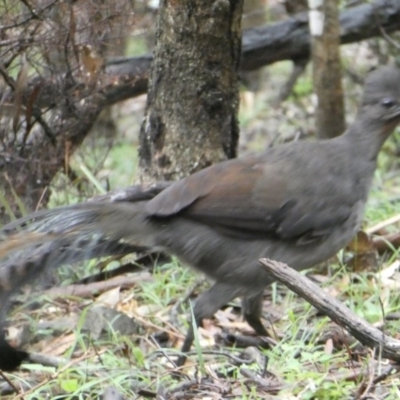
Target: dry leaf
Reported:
[(110, 298)]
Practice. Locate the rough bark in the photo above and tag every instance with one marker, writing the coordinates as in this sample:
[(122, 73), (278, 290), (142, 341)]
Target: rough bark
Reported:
[(191, 114), (327, 69)]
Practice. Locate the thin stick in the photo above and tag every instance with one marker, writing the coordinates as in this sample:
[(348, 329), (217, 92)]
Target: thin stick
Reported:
[(334, 309)]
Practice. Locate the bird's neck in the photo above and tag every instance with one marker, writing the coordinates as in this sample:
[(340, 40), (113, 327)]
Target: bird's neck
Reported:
[(365, 136)]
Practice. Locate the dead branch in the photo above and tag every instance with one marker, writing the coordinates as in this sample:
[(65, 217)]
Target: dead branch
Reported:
[(334, 309)]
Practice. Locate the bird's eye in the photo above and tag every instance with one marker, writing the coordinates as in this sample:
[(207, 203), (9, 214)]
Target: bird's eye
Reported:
[(388, 102)]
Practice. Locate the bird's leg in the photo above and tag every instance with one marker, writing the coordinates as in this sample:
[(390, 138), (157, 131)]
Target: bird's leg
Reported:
[(206, 306), (252, 309)]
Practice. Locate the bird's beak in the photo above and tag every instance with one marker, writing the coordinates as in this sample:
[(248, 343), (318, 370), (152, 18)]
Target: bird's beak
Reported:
[(394, 115)]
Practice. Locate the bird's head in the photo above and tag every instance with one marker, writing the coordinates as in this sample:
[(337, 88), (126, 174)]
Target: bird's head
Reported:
[(381, 98)]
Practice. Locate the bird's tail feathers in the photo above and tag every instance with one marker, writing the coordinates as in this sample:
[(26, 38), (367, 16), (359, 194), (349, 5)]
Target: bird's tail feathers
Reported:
[(46, 239)]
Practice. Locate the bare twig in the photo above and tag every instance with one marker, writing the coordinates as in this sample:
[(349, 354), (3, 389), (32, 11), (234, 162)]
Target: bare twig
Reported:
[(383, 224), (389, 39), (5, 377), (46, 360), (386, 242), (262, 383), (298, 68), (98, 287)]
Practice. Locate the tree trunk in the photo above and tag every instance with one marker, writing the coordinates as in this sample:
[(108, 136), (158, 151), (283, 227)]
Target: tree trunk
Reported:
[(191, 113), (325, 50)]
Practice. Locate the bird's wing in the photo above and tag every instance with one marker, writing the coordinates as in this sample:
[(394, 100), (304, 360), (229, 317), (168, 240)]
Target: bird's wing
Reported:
[(251, 197)]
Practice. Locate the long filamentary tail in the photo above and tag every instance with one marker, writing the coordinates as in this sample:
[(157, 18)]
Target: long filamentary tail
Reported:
[(65, 235), (49, 239)]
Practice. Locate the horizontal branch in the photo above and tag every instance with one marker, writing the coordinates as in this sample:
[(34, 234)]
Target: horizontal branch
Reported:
[(125, 78), (285, 40), (290, 39)]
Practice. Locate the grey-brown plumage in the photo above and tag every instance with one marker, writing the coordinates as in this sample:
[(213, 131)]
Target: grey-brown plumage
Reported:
[(298, 203)]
